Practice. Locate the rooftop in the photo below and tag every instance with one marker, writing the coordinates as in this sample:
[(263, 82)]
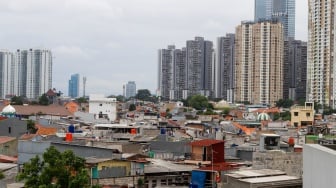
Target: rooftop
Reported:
[(206, 142)]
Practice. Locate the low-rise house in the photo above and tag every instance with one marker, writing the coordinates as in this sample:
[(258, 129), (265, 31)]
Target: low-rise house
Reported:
[(13, 127), (302, 116), (160, 173), (260, 178), (8, 146)]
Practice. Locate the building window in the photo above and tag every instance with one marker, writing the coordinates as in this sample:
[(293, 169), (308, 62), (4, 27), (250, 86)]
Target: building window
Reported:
[(100, 104), (296, 124), (296, 113), (9, 130), (308, 114)]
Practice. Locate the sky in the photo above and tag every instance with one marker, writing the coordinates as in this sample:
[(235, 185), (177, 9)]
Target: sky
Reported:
[(111, 42)]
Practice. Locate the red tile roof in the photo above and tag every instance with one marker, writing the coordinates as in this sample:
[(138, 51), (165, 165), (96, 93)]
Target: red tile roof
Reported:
[(38, 109), (7, 159), (27, 136), (45, 130), (4, 139), (206, 142)]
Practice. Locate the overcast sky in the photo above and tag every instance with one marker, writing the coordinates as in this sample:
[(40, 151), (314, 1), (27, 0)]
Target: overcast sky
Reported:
[(115, 41)]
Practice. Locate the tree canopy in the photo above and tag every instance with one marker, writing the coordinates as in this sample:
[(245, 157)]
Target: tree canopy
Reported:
[(199, 102), (43, 100), (143, 94), (285, 103), (17, 100), (55, 170)]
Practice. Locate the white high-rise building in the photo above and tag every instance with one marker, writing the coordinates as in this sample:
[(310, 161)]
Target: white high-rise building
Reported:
[(33, 72), (130, 89), (321, 69), (7, 74)]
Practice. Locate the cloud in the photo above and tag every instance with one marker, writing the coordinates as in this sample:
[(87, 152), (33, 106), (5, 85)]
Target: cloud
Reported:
[(114, 41)]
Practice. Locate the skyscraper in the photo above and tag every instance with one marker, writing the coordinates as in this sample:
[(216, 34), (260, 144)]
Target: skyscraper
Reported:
[(166, 71), (199, 61), (281, 10), (224, 68), (130, 89), (259, 61), (7, 74), (295, 69), (321, 69), (33, 72), (73, 90)]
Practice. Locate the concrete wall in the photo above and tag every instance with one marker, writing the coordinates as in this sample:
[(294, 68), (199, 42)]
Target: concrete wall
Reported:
[(85, 151), (29, 149), (9, 148), (13, 127), (291, 163), (318, 166), (130, 180)]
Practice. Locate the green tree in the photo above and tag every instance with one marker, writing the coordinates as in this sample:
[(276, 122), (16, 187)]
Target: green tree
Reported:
[(143, 94), (56, 170), (17, 100), (199, 102), (43, 100), (31, 126), (285, 103), (132, 107), (81, 100), (2, 176), (226, 111)]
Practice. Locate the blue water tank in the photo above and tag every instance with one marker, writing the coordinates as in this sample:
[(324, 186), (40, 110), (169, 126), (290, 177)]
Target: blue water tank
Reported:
[(71, 128), (162, 131)]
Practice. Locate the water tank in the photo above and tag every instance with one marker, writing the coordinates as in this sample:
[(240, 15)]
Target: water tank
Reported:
[(71, 128), (68, 137)]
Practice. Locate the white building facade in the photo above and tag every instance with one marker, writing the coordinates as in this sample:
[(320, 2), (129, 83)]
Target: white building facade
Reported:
[(7, 73), (321, 69), (102, 107)]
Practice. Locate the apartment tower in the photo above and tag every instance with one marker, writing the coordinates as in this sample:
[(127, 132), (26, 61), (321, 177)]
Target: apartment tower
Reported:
[(321, 70), (224, 68), (259, 62)]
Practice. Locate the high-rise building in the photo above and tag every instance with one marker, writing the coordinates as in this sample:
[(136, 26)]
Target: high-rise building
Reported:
[(259, 62), (281, 10), (166, 71), (199, 61), (295, 70), (224, 68), (321, 69), (34, 72), (26, 73), (7, 74), (73, 89), (187, 71), (130, 89), (179, 75)]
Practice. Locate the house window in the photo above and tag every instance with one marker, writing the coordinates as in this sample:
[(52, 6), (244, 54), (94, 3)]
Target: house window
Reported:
[(296, 124), (9, 130), (308, 114), (296, 113)]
